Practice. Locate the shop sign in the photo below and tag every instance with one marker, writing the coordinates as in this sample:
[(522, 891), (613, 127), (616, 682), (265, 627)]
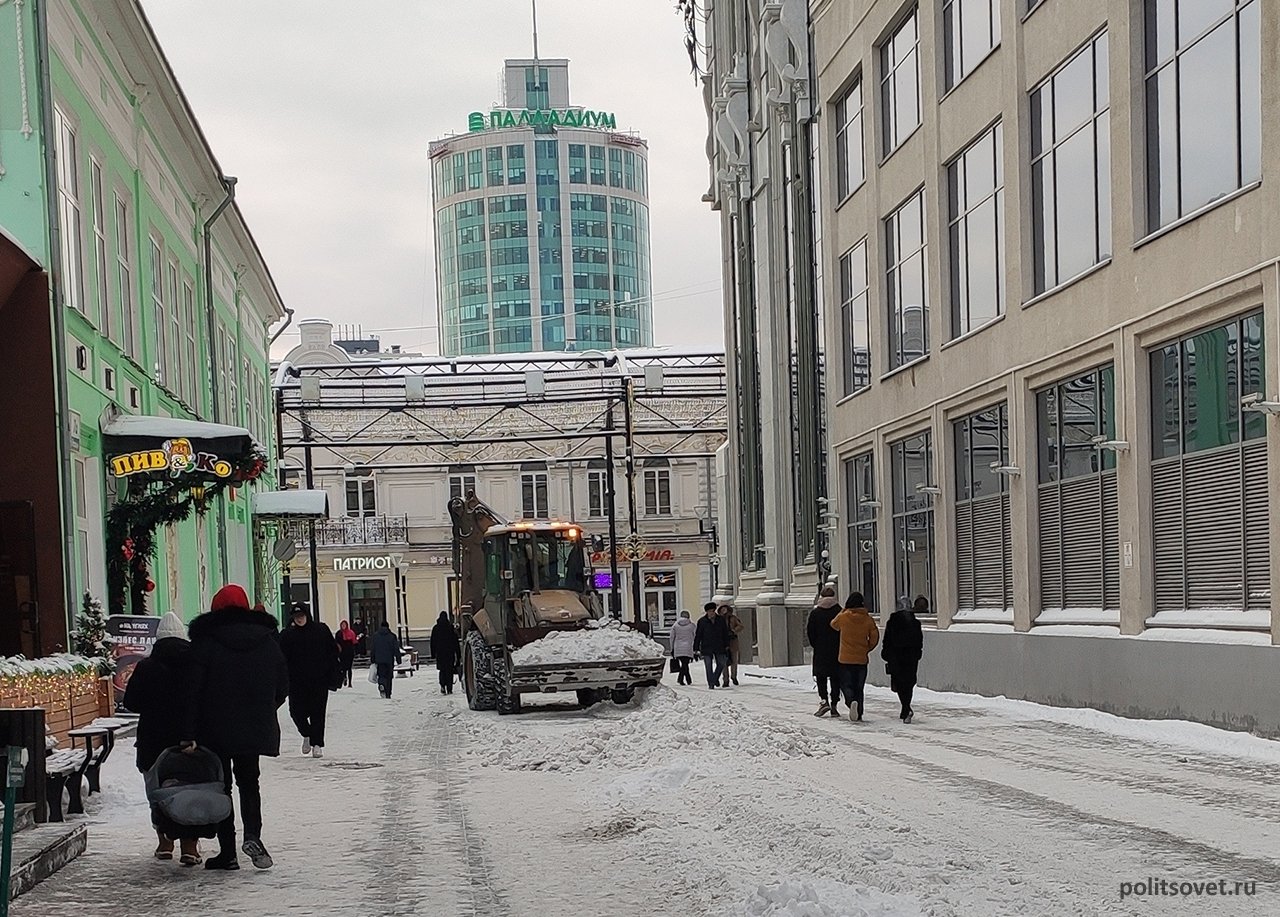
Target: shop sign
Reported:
[(354, 564), (538, 117), (653, 555), (175, 456), (132, 637)]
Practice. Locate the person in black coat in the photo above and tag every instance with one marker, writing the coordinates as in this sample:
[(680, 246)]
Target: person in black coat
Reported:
[(711, 642), (384, 654), (826, 651), (314, 667), (445, 651), (155, 688), (902, 649), (238, 680)]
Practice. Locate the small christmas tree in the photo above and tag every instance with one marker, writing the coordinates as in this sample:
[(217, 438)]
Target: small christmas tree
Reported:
[(91, 634)]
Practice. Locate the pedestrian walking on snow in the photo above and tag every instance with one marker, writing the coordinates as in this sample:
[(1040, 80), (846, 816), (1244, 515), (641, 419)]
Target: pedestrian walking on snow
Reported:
[(711, 642), (347, 640), (314, 670), (156, 683), (445, 650), (826, 651), (734, 624), (683, 634), (858, 637), (903, 647), (237, 681), (384, 655)]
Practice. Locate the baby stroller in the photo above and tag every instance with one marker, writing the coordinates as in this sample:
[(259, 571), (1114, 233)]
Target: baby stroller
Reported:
[(186, 793)]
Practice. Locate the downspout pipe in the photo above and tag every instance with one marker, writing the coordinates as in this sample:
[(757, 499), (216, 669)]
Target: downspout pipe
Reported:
[(62, 395), (211, 321), (288, 320)]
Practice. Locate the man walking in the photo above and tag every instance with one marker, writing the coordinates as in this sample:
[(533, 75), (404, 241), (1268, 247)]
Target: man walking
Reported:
[(734, 626), (384, 654), (314, 666), (711, 641), (826, 651), (237, 680), (858, 637), (445, 651), (903, 647)]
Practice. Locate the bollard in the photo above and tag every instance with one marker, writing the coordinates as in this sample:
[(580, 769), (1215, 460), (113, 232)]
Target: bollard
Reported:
[(14, 777)]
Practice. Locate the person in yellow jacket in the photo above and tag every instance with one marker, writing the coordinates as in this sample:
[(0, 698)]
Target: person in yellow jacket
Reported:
[(858, 637)]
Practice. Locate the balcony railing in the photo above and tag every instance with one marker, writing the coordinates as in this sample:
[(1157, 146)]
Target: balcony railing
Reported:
[(359, 530)]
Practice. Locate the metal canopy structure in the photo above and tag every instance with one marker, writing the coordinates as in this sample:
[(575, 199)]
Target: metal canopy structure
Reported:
[(438, 412), (460, 409)]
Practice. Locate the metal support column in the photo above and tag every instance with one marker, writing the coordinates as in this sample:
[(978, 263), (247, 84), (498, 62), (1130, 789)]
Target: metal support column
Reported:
[(615, 594)]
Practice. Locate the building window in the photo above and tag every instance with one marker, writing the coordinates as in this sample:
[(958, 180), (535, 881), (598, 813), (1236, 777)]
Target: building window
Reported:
[(462, 481), (975, 190), (597, 165), (861, 513), (1078, 503), (1204, 103), (124, 280), (1209, 471), (493, 165), (661, 590), (70, 251), (906, 282), (98, 199), (984, 552), (578, 163), (1071, 168), (615, 168), (533, 490), (911, 467), (158, 313), (515, 164), (192, 355), (175, 374), (850, 168), (598, 489), (855, 319), (362, 496), (900, 84), (970, 30), (657, 488)]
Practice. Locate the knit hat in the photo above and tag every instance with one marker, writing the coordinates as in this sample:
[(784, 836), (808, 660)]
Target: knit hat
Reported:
[(171, 626), (230, 596)]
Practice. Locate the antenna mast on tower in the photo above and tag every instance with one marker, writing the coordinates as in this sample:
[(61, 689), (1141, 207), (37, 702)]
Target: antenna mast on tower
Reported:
[(535, 33)]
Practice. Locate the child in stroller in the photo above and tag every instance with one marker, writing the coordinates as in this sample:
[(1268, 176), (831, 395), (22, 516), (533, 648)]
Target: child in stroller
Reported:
[(188, 798)]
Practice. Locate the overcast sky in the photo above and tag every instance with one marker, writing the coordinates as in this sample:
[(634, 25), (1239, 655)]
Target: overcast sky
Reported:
[(324, 110)]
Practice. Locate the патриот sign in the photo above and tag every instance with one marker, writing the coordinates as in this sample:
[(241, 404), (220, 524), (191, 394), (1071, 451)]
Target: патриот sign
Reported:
[(570, 117)]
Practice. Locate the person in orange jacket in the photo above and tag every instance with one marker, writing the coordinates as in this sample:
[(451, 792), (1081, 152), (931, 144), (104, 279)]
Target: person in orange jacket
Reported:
[(858, 637)]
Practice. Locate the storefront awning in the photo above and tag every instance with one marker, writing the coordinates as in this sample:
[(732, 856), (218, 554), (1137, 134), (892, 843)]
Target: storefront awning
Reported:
[(291, 504), (133, 431)]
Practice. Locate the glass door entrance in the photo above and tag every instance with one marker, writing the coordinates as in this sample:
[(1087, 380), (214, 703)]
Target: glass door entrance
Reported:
[(367, 606)]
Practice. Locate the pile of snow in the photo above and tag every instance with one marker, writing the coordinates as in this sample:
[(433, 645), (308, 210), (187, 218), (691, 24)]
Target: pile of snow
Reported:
[(606, 640), (823, 898), (662, 724)]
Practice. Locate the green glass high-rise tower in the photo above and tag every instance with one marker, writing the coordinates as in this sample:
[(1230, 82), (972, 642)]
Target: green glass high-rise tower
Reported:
[(541, 224)]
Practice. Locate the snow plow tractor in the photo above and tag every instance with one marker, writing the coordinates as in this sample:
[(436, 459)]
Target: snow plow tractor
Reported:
[(519, 582)]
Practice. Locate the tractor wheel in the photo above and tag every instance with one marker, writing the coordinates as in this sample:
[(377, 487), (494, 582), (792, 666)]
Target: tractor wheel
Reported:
[(622, 695), (477, 673), (508, 701)]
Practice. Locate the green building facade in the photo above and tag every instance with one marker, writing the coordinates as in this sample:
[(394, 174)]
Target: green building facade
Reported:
[(110, 192)]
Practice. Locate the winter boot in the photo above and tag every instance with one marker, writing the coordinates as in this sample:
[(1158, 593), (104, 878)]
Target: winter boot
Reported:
[(164, 849), (317, 751), (823, 709), (910, 715), (306, 746), (225, 860), (254, 850), (190, 852)]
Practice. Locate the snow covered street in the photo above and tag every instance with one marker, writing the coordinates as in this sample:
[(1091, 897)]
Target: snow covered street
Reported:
[(726, 803)]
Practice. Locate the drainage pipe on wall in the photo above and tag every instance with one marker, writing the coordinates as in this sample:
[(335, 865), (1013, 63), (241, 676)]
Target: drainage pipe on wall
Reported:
[(211, 321)]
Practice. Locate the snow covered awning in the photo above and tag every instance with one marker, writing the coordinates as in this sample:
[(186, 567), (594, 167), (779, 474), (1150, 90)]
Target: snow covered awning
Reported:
[(152, 445), (291, 504)]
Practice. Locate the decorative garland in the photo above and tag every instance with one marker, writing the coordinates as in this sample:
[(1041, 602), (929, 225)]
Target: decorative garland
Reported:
[(153, 501)]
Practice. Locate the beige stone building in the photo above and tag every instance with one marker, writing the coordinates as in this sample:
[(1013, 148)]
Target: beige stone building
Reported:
[(1049, 268)]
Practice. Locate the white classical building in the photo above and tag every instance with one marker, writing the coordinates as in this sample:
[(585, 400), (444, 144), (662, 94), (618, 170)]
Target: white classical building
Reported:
[(386, 550)]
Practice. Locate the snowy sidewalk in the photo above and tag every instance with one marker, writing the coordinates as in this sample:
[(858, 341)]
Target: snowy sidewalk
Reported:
[(726, 803)]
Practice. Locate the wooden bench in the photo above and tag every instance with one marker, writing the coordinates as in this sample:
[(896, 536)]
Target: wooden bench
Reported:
[(63, 770)]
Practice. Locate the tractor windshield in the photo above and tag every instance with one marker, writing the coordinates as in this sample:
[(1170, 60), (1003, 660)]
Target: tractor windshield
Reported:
[(548, 560)]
